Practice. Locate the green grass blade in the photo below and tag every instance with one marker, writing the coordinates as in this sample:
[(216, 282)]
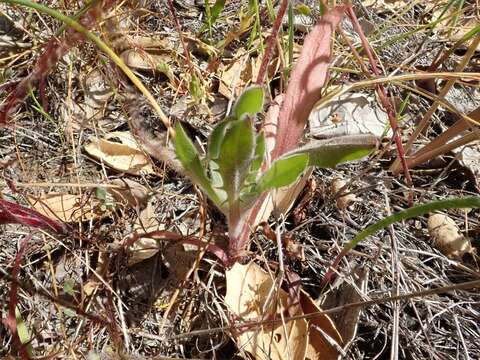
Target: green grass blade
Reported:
[(463, 203), (469, 202)]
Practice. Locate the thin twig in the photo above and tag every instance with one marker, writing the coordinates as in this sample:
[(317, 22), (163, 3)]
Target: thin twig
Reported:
[(360, 304)]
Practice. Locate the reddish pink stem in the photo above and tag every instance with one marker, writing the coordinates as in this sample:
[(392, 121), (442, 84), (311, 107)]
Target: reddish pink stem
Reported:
[(11, 321), (271, 43), (173, 236), (382, 94)]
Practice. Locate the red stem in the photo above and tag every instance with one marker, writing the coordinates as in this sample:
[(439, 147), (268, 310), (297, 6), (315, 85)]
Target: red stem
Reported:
[(11, 321), (271, 43), (382, 94), (173, 236)]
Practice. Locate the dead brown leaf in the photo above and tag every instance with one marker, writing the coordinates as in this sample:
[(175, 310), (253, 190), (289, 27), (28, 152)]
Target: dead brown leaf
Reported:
[(129, 193), (146, 247), (447, 236), (125, 155), (240, 73), (251, 296), (69, 207), (343, 202), (319, 345)]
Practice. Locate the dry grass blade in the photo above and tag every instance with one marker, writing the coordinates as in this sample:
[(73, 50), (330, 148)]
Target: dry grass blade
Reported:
[(427, 117)]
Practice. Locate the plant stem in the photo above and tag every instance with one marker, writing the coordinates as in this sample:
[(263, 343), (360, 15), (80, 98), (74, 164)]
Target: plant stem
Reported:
[(271, 43), (382, 93)]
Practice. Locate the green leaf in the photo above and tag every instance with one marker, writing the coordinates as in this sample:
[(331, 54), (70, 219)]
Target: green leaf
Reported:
[(248, 192), (216, 137), (216, 10), (101, 193), (22, 331), (465, 203), (187, 154), (249, 103), (212, 14), (303, 9), (235, 156), (69, 287), (331, 152), (260, 148), (195, 88), (214, 143), (283, 172)]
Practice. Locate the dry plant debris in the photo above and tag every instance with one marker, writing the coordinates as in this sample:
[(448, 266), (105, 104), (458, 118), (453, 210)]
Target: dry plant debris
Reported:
[(252, 294), (85, 167), (69, 207), (123, 155), (447, 236), (339, 186)]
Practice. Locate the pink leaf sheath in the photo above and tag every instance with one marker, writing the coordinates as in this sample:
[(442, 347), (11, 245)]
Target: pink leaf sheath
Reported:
[(307, 79), (285, 126), (12, 213)]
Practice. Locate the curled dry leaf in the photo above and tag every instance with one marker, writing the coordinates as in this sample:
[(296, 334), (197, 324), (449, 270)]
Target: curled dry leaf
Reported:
[(237, 75), (343, 202), (69, 207), (142, 60), (145, 248), (319, 345), (240, 73), (147, 53), (125, 155), (447, 236), (251, 296), (346, 291), (129, 193), (135, 195)]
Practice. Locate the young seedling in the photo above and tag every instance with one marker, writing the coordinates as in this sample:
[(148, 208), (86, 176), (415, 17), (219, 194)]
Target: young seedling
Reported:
[(231, 172)]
